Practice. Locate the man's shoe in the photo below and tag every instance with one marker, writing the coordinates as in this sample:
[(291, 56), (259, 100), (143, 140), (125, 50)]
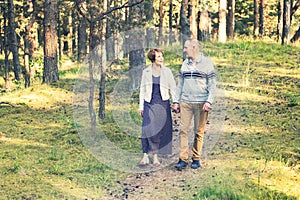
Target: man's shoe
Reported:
[(181, 165), (195, 164)]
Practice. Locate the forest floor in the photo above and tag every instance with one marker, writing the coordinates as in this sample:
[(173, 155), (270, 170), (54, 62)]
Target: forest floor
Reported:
[(252, 150)]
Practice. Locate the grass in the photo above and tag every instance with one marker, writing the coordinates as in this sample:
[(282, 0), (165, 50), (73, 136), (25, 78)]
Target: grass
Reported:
[(257, 156)]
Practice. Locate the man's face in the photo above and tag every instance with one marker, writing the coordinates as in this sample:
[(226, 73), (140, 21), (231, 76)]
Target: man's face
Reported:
[(188, 49)]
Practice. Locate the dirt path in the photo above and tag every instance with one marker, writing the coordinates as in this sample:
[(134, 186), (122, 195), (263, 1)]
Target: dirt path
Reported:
[(162, 184)]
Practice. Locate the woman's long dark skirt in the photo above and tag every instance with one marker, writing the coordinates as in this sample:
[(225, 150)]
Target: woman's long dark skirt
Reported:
[(157, 124)]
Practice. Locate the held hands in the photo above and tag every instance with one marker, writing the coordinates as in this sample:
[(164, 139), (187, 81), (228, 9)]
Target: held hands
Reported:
[(206, 107), (175, 107)]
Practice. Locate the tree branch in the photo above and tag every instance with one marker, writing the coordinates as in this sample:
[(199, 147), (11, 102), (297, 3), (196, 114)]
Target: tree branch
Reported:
[(103, 14), (125, 5), (295, 7)]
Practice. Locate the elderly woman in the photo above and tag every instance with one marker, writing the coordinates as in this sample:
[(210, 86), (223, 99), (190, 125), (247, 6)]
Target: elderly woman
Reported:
[(156, 86)]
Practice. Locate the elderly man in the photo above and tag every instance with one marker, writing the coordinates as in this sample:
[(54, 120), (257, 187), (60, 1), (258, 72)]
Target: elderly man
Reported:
[(196, 91)]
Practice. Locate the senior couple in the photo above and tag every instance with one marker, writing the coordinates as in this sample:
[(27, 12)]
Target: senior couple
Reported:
[(193, 96)]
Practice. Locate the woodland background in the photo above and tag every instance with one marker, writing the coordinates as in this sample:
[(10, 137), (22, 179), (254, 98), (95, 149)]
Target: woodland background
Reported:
[(43, 44)]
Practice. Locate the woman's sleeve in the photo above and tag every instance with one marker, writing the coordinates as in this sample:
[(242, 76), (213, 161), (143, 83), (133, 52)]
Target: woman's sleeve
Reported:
[(173, 88), (142, 93)]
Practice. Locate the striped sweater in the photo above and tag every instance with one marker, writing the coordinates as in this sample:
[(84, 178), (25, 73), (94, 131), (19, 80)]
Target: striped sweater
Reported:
[(197, 81)]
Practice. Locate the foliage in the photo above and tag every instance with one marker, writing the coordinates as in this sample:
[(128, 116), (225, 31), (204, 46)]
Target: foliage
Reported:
[(257, 157)]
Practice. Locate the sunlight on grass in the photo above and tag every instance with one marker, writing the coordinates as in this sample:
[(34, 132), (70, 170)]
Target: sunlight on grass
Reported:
[(72, 189), (244, 173), (281, 178), (21, 142), (42, 96), (242, 96)]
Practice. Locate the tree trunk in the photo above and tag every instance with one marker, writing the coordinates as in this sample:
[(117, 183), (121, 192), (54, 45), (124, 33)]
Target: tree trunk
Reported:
[(286, 22), (184, 24), (137, 59), (160, 39), (280, 20), (150, 32), (231, 19), (222, 21), (261, 18), (256, 19), (204, 26), (13, 40), (7, 78), (82, 37), (59, 32), (296, 37), (106, 45), (171, 39), (68, 34), (29, 43), (193, 18), (93, 40), (50, 73)]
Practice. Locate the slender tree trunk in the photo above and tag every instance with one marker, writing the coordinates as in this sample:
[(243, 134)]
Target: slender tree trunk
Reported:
[(82, 36), (150, 32), (171, 39), (231, 19), (105, 46), (280, 20), (67, 32), (29, 43), (184, 23), (204, 26), (74, 33), (109, 34), (7, 78), (137, 59), (93, 39), (286, 22), (6, 69), (193, 18), (161, 22), (261, 18), (13, 40), (50, 48), (222, 21), (256, 19), (59, 32)]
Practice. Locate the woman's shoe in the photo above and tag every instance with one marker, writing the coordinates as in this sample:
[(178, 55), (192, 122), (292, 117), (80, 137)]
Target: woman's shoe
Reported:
[(156, 163), (144, 161)]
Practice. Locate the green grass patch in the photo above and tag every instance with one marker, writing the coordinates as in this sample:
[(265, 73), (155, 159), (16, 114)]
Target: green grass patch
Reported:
[(257, 157)]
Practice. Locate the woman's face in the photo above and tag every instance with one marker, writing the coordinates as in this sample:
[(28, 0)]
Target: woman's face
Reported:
[(159, 58)]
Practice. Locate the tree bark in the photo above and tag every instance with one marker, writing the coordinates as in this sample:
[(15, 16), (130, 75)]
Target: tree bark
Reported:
[(82, 36), (106, 45), (261, 18), (171, 39), (29, 43), (222, 21), (256, 19), (280, 20), (150, 32), (14, 47), (231, 19), (160, 39), (137, 59), (184, 24), (50, 73), (193, 18), (286, 22)]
